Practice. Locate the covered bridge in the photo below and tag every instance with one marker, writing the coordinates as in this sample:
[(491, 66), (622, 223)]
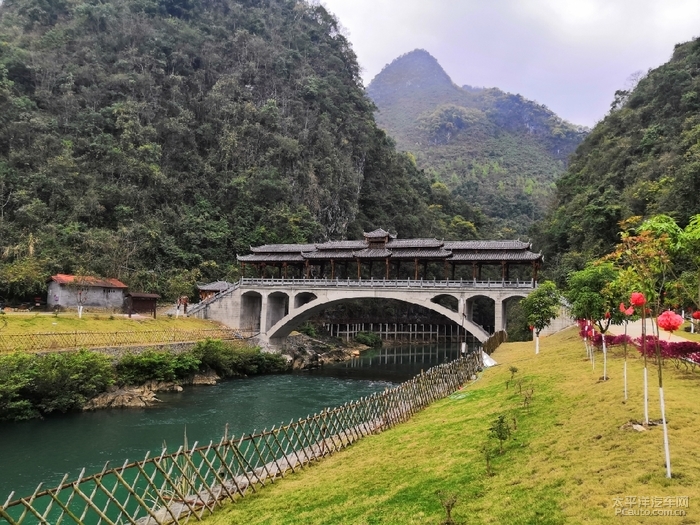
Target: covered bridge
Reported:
[(381, 254)]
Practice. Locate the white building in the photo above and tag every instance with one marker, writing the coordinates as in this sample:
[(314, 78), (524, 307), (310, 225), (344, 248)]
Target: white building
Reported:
[(72, 291)]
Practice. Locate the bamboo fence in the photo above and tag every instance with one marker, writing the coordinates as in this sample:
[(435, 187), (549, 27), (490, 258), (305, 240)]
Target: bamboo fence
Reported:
[(174, 488), (68, 340)]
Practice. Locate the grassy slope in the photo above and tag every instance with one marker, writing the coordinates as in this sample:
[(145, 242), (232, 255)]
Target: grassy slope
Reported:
[(566, 462), (29, 322)]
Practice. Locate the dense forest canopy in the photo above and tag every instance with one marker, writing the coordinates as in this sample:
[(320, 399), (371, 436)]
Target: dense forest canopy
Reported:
[(499, 151), (642, 159), (152, 140)]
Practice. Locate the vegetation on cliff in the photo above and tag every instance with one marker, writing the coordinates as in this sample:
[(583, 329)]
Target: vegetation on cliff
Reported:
[(642, 159), (152, 140), (496, 151)]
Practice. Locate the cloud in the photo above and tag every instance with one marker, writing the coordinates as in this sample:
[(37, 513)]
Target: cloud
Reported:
[(570, 56)]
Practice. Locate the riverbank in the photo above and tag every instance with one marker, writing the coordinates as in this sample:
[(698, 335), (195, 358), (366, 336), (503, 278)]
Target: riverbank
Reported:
[(571, 456)]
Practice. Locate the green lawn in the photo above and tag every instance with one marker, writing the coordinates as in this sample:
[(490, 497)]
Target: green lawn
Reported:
[(567, 460), (33, 322)]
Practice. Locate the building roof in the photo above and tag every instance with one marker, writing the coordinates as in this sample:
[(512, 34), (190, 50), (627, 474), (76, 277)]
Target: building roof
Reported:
[(487, 245), (87, 281), (372, 247), (414, 243), (216, 286), (281, 248), (378, 234), (141, 295)]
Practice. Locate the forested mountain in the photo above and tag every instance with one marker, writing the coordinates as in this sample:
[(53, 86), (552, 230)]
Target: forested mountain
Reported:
[(152, 140), (642, 159), (498, 151)]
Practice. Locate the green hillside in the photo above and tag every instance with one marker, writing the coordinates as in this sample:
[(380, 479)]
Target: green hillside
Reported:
[(153, 140), (642, 159), (498, 151)]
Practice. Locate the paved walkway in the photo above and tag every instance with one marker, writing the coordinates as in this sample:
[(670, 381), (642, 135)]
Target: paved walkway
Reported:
[(634, 330)]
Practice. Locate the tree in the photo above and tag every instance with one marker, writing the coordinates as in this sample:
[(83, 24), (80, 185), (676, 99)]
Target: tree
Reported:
[(541, 307), (592, 297)]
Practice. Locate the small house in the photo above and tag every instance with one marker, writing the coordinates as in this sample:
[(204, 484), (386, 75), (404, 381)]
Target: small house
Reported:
[(141, 303), (209, 290), (84, 290)]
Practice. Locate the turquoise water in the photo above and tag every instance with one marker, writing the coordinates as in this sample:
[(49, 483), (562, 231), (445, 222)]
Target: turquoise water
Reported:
[(44, 450)]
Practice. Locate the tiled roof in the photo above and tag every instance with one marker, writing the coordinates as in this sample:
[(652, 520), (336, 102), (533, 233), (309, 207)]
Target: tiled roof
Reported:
[(495, 256), (329, 254), (87, 280), (271, 257), (375, 253), (377, 234), (341, 245), (420, 254), (215, 286), (414, 243), (486, 245), (283, 248), (141, 295)]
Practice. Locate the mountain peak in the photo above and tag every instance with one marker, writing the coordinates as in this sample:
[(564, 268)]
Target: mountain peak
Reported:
[(415, 71)]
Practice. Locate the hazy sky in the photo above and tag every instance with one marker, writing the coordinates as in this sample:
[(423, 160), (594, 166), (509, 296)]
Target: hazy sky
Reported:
[(570, 55)]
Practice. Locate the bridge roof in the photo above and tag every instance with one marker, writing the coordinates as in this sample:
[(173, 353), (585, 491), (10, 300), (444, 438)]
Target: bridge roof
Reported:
[(507, 256), (487, 245), (489, 252)]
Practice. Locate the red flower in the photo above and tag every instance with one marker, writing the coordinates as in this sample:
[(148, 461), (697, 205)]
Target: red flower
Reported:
[(638, 299), (669, 321), (696, 314), (607, 315)]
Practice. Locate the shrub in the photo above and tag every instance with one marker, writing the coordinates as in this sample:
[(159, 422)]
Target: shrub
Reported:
[(230, 360), (135, 369), (33, 385), (369, 339), (308, 329)]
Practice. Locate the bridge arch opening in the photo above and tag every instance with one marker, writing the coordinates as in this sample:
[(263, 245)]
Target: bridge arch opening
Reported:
[(277, 308), (303, 298), (251, 307), (448, 301), (437, 315)]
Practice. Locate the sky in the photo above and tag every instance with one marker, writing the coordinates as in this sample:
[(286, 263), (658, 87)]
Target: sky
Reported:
[(570, 55)]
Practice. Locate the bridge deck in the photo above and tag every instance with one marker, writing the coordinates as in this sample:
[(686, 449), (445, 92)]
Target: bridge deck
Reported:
[(387, 283)]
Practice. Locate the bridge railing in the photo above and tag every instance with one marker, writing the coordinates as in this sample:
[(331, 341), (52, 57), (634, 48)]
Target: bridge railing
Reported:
[(174, 488), (389, 283)]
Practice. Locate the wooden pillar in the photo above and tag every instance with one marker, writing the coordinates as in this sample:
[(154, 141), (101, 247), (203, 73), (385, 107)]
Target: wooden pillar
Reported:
[(535, 267), (386, 276), (503, 270), (285, 269), (359, 275), (474, 271), (415, 267), (323, 268), (242, 269), (332, 269), (261, 266), (308, 269)]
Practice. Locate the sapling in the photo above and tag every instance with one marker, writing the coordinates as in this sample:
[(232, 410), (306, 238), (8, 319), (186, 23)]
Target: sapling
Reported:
[(448, 500), (500, 429)]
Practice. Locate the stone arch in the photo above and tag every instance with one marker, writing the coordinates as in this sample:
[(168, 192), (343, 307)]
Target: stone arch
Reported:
[(277, 308), (303, 298), (284, 326), (446, 300), (251, 307)]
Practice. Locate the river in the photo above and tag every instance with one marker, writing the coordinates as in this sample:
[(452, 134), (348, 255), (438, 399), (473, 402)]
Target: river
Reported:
[(44, 450)]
